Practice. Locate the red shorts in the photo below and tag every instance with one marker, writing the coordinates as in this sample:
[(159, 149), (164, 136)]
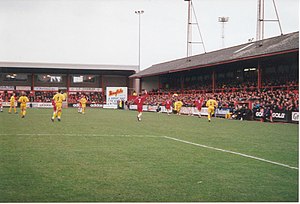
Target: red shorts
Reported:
[(140, 108)]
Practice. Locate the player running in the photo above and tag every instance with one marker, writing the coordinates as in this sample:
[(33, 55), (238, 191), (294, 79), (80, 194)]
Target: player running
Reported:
[(1, 105), (168, 104), (177, 106), (211, 104), (83, 104), (23, 100), (58, 99), (79, 106), (139, 101), (54, 106), (199, 103), (12, 103)]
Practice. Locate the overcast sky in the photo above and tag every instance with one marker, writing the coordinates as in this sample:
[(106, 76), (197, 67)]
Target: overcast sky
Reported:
[(106, 31)]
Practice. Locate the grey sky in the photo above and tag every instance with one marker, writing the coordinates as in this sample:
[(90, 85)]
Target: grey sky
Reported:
[(106, 31)]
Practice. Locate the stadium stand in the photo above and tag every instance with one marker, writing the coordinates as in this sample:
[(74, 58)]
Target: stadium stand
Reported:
[(261, 75)]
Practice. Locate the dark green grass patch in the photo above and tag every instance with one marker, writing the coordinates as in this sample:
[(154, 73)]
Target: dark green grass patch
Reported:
[(108, 156)]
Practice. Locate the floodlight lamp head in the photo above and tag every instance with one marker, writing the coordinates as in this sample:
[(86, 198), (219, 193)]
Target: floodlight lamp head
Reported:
[(223, 19), (139, 12)]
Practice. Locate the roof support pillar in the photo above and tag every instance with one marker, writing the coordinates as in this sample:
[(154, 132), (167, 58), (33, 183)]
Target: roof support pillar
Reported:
[(258, 76), (213, 81), (32, 81), (182, 83)]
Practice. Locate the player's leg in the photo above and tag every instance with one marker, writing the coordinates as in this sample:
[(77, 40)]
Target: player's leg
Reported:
[(139, 116), (23, 111), (10, 107), (15, 109), (54, 114), (59, 112), (59, 115), (83, 109), (209, 114), (178, 109), (199, 109)]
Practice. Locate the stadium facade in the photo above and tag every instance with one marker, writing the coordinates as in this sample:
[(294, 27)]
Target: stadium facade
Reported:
[(49, 77), (256, 62)]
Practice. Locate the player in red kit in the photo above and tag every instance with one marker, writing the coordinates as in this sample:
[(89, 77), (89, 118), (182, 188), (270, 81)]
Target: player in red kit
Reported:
[(139, 101), (54, 106), (199, 103), (168, 105), (1, 106)]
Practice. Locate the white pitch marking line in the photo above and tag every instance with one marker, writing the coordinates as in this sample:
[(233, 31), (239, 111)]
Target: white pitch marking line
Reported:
[(155, 136), (232, 152), (79, 135)]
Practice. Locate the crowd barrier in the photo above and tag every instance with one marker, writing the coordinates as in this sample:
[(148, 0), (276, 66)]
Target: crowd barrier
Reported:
[(184, 110), (278, 116)]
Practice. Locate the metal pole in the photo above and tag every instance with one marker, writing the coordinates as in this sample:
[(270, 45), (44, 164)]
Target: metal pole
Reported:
[(139, 69), (139, 13), (189, 31)]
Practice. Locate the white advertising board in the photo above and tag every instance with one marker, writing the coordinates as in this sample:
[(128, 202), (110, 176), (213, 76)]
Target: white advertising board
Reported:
[(115, 94), (295, 116)]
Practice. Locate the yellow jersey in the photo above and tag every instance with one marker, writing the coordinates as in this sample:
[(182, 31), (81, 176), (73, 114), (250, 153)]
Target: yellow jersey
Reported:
[(83, 101), (58, 98), (12, 99), (178, 104), (211, 103), (23, 100)]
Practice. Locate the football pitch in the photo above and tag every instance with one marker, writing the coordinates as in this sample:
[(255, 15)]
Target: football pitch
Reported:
[(108, 156)]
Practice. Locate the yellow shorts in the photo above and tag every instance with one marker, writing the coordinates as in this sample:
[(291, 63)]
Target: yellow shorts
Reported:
[(58, 106), (23, 106), (211, 110)]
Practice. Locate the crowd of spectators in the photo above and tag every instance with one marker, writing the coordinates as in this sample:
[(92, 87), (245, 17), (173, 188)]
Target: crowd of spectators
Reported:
[(278, 99), (271, 97)]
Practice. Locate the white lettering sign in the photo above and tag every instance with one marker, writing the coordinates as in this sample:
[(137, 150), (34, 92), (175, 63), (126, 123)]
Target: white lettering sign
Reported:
[(115, 94), (295, 116)]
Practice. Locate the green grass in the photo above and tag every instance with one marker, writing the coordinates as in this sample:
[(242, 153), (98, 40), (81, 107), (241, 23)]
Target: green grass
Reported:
[(108, 156)]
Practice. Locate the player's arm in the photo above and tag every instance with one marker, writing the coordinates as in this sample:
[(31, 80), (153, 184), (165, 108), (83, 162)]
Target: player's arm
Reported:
[(207, 103)]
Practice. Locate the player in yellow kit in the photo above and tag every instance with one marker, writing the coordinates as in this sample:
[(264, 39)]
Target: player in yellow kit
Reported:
[(23, 100), (12, 103), (83, 104), (58, 99), (211, 104), (177, 106)]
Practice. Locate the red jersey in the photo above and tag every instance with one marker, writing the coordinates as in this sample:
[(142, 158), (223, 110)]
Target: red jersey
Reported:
[(139, 101), (168, 104), (199, 103)]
